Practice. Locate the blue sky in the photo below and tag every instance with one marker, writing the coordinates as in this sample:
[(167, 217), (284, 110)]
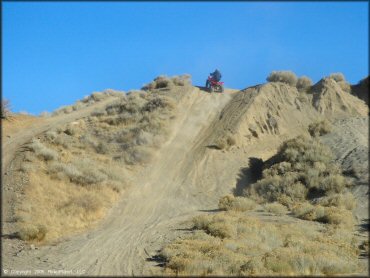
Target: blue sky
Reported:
[(55, 53)]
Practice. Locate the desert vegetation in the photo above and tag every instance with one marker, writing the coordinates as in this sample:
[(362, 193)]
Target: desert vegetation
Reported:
[(86, 101), (300, 181), (229, 202), (304, 83), (287, 77), (165, 82), (341, 81), (5, 109), (235, 243), (319, 128), (226, 141), (70, 186), (302, 177)]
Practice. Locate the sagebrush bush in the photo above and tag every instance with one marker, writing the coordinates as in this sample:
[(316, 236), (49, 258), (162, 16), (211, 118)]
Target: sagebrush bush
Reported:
[(276, 208), (45, 114), (308, 211), (30, 232), (346, 201), (225, 142), (5, 108), (320, 128), (341, 81), (42, 151), (301, 170), (163, 81), (287, 77), (82, 171), (229, 202), (338, 76), (304, 83), (345, 86)]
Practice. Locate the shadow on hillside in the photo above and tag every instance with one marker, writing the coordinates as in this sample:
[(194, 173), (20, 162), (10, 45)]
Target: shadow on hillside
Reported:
[(202, 88), (248, 175), (10, 236), (210, 210), (158, 259), (364, 226)]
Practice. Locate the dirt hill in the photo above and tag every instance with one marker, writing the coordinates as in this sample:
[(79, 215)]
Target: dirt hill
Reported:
[(100, 188)]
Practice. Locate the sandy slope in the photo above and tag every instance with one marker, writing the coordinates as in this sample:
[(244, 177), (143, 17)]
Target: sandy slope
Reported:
[(187, 177), (349, 142)]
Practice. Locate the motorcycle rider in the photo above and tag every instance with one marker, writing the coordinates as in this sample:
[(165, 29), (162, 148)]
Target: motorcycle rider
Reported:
[(216, 76)]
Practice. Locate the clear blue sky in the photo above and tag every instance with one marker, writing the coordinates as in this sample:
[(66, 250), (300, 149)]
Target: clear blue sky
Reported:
[(55, 53)]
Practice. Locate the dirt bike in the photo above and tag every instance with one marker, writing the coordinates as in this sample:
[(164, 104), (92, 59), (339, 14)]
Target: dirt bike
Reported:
[(214, 86)]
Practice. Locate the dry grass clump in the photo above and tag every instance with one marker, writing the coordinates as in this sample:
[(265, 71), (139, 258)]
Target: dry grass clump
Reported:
[(229, 202), (163, 81), (302, 170), (304, 83), (287, 77), (320, 128), (5, 108), (276, 208), (233, 243)]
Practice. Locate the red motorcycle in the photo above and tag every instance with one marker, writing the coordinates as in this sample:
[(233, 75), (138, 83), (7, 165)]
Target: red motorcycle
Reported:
[(214, 86)]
